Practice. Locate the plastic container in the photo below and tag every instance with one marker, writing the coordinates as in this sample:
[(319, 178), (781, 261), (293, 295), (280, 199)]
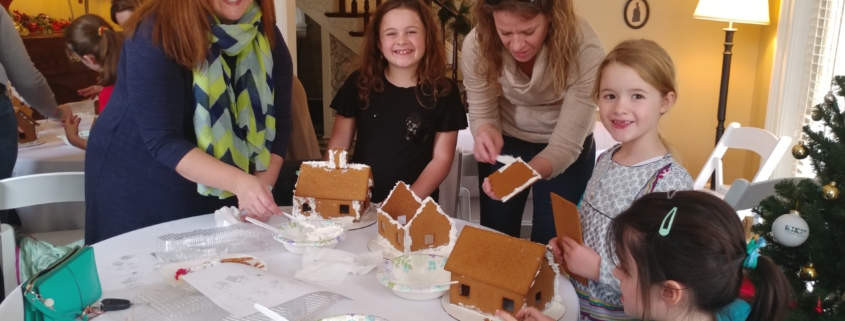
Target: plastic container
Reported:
[(239, 238)]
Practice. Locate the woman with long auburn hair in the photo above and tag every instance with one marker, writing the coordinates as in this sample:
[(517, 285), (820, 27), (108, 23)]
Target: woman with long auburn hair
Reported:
[(529, 69), (200, 112)]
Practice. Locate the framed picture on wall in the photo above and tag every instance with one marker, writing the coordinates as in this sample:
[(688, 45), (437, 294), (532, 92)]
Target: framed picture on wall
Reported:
[(636, 13)]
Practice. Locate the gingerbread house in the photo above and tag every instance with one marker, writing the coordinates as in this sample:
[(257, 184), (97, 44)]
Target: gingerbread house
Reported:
[(333, 189), (411, 225), (499, 272), (25, 119), (512, 179)]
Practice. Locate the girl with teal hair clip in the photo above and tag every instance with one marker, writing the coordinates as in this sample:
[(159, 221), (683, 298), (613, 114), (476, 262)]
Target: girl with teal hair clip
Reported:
[(683, 256)]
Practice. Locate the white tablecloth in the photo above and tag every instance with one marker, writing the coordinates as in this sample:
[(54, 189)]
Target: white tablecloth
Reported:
[(52, 157), (370, 296)]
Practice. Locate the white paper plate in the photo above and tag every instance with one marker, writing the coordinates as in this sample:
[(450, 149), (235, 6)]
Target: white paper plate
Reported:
[(415, 276), (36, 142), (555, 311), (353, 317), (168, 272)]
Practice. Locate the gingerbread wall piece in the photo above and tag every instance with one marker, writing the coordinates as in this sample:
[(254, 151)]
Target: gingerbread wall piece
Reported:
[(333, 189), (567, 223), (24, 117), (512, 179), (499, 272), (410, 225)]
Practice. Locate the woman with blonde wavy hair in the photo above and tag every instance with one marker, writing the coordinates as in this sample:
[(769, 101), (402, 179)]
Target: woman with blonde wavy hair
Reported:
[(529, 69)]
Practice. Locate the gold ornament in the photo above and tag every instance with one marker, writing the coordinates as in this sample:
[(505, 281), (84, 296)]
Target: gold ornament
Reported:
[(22, 31), (808, 272), (800, 151), (817, 115), (830, 192)]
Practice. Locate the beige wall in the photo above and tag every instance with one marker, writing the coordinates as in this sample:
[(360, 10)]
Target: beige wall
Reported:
[(696, 47), (60, 9)]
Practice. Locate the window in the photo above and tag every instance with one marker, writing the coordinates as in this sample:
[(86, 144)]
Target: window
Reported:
[(381, 224), (344, 209), (538, 297), (465, 290), (507, 305), (429, 239), (814, 52), (306, 207), (400, 239), (402, 219)]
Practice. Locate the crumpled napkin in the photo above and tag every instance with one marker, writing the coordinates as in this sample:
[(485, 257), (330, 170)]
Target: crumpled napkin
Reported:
[(332, 266), (226, 216)]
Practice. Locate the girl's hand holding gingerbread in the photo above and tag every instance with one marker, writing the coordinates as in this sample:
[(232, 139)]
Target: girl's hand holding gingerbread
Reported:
[(556, 250), (581, 260)]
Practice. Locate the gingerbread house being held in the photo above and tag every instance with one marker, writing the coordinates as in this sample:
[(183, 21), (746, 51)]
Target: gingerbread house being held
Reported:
[(25, 119), (333, 189), (411, 225), (499, 272)]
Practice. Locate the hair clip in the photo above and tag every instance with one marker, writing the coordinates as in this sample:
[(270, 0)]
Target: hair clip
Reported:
[(495, 2), (100, 31), (753, 251), (670, 194), (664, 229)]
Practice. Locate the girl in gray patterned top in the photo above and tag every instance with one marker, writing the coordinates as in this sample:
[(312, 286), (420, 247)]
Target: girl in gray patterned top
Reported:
[(635, 86)]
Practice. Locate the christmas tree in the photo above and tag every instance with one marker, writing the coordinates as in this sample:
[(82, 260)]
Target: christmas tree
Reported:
[(816, 266)]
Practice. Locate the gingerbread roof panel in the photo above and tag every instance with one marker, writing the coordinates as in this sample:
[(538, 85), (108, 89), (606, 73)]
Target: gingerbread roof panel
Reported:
[(401, 201), (496, 259), (318, 181)]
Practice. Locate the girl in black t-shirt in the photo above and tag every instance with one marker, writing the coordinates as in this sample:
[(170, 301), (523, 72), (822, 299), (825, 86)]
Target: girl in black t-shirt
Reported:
[(405, 111)]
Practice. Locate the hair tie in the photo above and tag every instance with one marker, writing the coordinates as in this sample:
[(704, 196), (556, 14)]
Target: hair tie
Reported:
[(753, 251), (100, 31)]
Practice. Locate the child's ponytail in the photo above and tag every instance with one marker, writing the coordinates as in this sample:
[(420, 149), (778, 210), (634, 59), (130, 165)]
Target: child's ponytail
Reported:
[(108, 53), (772, 294)]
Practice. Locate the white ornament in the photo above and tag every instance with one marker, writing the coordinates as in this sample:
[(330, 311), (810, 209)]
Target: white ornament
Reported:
[(790, 229)]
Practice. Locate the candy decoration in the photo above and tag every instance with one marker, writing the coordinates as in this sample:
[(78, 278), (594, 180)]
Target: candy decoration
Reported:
[(181, 272)]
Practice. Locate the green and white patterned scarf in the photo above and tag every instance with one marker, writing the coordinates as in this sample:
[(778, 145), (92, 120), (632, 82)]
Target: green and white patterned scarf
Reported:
[(234, 117)]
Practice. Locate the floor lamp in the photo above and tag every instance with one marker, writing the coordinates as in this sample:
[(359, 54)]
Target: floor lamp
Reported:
[(739, 11)]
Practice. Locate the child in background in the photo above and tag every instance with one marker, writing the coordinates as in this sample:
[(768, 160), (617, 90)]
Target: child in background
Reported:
[(635, 86), (92, 41), (406, 112), (683, 256)]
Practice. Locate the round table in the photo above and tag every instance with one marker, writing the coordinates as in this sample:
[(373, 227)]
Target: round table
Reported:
[(369, 296), (53, 156)]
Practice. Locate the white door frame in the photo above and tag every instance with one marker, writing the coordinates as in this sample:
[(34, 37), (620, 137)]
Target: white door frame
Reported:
[(785, 107), (286, 21)]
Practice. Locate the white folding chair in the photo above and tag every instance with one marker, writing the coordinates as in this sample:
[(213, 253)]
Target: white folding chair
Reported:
[(760, 141), (32, 190), (745, 195)]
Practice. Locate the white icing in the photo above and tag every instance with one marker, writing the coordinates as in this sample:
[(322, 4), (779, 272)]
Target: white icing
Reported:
[(322, 233), (536, 176), (227, 216)]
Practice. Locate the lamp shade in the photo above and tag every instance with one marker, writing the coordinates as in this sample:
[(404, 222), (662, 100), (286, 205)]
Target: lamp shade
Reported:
[(742, 11)]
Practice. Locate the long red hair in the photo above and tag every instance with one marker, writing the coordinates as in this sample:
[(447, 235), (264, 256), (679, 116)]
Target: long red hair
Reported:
[(181, 27), (431, 78)]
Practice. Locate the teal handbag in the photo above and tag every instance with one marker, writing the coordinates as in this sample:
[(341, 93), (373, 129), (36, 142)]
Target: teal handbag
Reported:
[(62, 291)]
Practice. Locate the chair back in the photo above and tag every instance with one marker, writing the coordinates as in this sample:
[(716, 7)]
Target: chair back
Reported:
[(770, 148), (23, 191)]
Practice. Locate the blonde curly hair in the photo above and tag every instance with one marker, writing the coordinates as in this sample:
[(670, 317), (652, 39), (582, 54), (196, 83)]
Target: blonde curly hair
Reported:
[(563, 39)]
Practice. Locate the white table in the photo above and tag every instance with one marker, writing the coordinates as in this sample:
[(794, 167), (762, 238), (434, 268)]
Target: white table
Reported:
[(53, 156), (370, 296)]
